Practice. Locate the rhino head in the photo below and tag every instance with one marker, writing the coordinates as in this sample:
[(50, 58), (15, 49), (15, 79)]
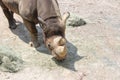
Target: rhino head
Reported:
[(54, 34)]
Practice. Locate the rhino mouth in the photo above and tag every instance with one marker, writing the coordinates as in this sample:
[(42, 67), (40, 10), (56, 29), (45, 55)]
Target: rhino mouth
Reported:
[(58, 57)]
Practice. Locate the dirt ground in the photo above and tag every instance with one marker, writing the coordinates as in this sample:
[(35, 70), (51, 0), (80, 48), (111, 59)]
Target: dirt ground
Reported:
[(93, 49)]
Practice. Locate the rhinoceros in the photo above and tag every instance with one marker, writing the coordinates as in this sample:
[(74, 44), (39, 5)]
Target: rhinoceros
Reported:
[(43, 12)]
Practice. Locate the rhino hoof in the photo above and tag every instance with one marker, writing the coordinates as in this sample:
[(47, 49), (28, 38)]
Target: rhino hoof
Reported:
[(13, 27), (31, 44), (34, 45)]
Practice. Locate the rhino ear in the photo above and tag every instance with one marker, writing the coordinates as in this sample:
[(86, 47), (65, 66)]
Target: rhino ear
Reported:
[(41, 21), (65, 17)]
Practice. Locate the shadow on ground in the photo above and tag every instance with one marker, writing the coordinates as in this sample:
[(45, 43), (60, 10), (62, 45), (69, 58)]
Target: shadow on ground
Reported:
[(72, 56), (21, 32)]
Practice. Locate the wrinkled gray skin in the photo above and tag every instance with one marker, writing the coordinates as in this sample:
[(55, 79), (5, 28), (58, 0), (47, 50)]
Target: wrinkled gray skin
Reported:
[(53, 27)]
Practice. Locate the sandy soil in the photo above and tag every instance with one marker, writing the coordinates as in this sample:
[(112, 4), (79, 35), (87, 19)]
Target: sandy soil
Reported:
[(93, 49)]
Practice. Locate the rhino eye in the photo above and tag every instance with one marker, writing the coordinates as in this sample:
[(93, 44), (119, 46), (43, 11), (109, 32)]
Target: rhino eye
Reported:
[(50, 47), (48, 44)]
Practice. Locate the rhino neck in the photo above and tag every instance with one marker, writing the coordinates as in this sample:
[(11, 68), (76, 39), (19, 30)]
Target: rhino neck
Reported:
[(53, 19)]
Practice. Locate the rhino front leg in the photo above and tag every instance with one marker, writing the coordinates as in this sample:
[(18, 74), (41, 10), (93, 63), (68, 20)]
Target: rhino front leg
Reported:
[(9, 16), (33, 33)]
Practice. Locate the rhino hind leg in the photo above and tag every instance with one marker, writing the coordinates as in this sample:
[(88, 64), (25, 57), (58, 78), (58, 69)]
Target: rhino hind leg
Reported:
[(9, 16), (33, 33)]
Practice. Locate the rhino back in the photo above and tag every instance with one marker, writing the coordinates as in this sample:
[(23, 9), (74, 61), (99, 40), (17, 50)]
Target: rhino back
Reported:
[(27, 9)]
